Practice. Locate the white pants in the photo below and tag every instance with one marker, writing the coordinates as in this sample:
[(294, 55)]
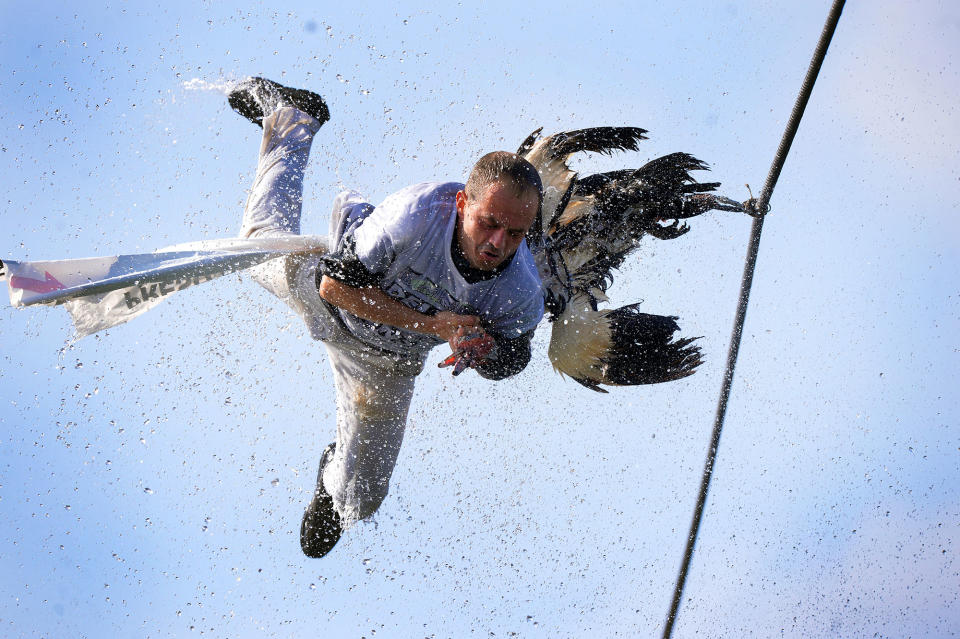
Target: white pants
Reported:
[(373, 388)]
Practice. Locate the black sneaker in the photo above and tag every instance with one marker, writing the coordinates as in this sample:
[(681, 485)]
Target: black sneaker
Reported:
[(255, 98), (320, 530)]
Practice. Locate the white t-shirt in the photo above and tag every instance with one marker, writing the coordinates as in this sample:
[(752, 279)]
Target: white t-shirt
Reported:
[(407, 241)]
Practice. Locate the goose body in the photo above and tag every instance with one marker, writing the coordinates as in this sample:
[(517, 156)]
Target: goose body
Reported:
[(586, 228)]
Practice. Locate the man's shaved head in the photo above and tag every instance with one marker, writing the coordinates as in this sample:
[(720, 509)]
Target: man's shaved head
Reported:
[(508, 169), (496, 208)]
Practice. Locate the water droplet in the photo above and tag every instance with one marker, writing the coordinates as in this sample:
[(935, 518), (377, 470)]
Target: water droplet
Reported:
[(149, 491), (314, 586), (275, 481), (366, 562)]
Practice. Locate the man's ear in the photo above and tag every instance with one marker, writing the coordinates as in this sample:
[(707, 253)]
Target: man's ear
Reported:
[(461, 203)]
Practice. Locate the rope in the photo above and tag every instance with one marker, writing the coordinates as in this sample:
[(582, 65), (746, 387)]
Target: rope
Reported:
[(759, 210)]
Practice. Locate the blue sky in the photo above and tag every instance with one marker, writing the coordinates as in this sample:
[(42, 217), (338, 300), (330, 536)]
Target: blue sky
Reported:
[(152, 477)]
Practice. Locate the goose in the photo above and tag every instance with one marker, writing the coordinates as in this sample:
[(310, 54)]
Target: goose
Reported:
[(585, 230)]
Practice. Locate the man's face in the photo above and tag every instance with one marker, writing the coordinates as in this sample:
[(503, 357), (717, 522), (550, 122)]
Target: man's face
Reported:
[(492, 226)]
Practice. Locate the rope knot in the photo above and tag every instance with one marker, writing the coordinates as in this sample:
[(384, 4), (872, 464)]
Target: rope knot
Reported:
[(752, 208)]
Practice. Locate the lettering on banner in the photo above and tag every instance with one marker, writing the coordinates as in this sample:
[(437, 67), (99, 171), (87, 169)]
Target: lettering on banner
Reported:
[(149, 293), (159, 290)]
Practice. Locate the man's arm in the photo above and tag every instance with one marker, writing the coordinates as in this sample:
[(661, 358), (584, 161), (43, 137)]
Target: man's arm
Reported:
[(372, 303)]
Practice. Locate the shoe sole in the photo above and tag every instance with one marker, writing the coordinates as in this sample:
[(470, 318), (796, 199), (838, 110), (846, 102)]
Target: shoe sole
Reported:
[(318, 542), (243, 100)]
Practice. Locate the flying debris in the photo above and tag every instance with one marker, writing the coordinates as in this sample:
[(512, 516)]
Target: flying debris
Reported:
[(586, 229)]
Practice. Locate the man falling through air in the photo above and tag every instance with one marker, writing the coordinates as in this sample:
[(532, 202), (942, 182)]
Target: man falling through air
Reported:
[(433, 263)]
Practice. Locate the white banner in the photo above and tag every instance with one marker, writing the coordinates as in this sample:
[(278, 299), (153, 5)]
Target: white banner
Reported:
[(100, 292)]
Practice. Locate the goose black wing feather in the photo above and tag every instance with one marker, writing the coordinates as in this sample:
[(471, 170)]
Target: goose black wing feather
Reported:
[(601, 139), (528, 143), (644, 349)]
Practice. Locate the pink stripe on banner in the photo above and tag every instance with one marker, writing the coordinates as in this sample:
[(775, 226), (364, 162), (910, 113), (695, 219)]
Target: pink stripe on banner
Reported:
[(37, 286)]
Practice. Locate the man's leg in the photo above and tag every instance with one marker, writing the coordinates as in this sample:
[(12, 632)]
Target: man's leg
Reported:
[(276, 199), (373, 399)]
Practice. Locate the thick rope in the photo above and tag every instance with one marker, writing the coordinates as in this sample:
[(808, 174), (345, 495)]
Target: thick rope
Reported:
[(760, 207)]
